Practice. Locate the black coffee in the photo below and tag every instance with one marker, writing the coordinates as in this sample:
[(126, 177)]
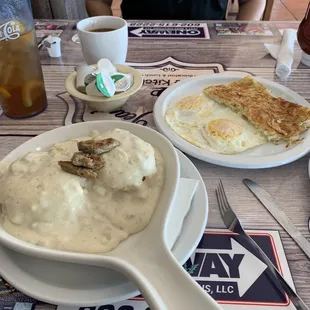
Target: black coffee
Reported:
[(102, 30)]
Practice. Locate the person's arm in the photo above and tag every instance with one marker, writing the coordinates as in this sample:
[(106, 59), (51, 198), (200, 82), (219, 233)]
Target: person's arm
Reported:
[(251, 9), (98, 7)]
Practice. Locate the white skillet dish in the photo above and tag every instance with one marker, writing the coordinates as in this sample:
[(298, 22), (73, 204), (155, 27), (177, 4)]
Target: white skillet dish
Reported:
[(144, 257), (81, 285)]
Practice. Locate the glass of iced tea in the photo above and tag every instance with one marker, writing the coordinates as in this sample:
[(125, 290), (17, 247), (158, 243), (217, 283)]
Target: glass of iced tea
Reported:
[(22, 92)]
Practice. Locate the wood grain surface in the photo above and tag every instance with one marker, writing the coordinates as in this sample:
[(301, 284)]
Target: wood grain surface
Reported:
[(289, 184)]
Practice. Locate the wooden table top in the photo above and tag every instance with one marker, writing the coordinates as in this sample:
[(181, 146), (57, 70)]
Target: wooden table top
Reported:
[(288, 184)]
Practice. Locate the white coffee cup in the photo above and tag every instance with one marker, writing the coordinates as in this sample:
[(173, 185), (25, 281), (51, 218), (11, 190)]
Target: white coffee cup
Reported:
[(110, 44)]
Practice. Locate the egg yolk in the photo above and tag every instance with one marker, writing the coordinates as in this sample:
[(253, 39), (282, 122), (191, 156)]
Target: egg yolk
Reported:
[(191, 103), (224, 128), (192, 109)]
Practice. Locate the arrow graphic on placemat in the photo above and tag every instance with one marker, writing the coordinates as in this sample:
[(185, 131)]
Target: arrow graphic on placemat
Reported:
[(164, 31), (137, 32), (229, 265)]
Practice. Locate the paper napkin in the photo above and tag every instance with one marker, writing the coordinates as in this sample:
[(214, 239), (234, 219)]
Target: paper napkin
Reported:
[(283, 53), (182, 204)]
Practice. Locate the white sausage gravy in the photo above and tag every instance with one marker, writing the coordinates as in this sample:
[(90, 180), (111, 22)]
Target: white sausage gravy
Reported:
[(46, 206)]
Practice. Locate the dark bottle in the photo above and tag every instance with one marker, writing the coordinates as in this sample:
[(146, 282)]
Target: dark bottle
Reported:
[(303, 37)]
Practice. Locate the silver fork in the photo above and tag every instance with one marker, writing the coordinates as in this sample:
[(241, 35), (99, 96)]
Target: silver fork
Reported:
[(232, 222)]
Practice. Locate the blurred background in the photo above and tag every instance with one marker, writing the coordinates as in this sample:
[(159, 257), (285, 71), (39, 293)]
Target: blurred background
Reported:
[(284, 10)]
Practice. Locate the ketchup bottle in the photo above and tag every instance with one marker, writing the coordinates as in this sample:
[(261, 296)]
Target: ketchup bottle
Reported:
[(303, 37)]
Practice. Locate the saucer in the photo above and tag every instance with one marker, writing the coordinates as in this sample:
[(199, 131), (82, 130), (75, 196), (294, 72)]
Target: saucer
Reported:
[(80, 285)]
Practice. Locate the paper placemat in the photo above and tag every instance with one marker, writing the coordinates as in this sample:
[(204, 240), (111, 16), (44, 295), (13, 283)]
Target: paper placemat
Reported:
[(51, 27), (242, 29), (182, 31), (222, 264)]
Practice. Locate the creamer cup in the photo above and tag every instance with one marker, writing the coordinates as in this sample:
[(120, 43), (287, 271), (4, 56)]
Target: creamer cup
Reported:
[(92, 90), (53, 46), (103, 85), (84, 72), (105, 65), (89, 78)]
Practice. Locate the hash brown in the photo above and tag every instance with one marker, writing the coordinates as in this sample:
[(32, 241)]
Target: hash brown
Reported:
[(275, 117)]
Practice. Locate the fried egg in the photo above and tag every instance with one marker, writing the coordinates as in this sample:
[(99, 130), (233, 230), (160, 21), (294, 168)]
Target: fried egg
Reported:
[(212, 126), (191, 109)]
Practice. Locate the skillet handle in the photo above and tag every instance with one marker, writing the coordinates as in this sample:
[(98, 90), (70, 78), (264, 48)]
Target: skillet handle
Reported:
[(164, 284)]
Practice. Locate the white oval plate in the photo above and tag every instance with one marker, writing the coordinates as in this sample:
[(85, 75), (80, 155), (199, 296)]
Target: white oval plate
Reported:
[(77, 285), (264, 156)]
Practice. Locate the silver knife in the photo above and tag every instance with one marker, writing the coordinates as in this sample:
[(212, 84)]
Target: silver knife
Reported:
[(278, 214)]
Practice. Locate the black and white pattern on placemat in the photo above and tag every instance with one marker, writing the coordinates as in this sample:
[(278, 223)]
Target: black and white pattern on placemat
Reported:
[(182, 31), (11, 299)]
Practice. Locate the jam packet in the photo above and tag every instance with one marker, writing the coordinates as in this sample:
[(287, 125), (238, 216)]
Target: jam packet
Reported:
[(122, 81)]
